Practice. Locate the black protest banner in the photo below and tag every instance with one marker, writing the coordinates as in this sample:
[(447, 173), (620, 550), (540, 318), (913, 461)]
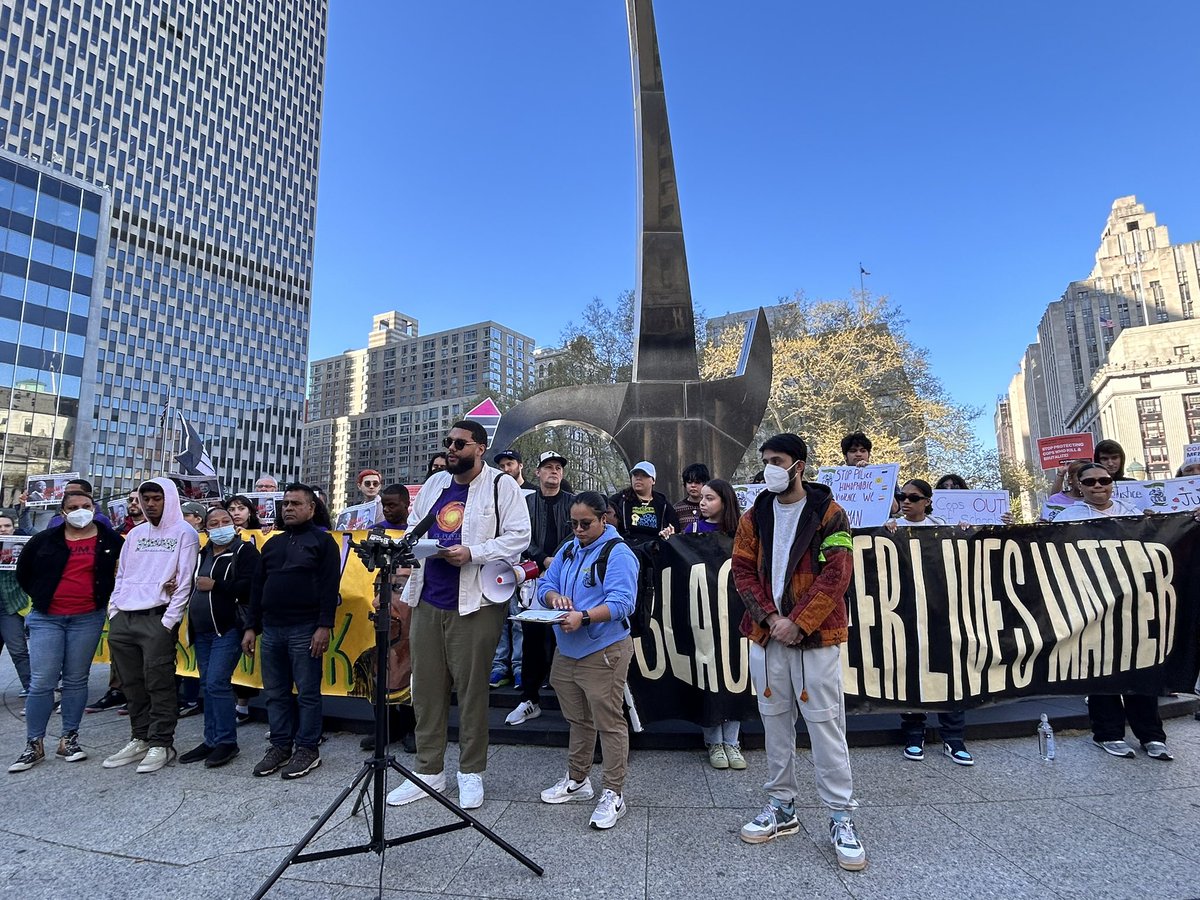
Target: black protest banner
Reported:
[(692, 664), (946, 618), (942, 618)]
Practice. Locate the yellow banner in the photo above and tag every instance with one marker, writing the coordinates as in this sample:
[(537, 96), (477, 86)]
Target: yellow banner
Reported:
[(353, 633)]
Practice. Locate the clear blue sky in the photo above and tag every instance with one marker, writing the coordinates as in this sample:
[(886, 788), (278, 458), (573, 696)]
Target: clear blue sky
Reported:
[(477, 159)]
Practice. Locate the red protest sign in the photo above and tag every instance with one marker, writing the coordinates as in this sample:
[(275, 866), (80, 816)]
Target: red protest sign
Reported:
[(1063, 448)]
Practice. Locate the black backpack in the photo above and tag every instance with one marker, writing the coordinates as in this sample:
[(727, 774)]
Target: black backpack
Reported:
[(643, 601)]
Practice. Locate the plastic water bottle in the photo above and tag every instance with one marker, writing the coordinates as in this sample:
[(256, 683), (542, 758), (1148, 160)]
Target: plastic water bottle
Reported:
[(1045, 738)]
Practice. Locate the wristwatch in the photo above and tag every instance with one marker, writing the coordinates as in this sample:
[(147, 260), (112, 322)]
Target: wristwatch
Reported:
[(586, 620)]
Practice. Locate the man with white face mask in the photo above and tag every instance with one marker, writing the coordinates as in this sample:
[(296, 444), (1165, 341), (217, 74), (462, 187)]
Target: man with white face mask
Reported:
[(792, 566)]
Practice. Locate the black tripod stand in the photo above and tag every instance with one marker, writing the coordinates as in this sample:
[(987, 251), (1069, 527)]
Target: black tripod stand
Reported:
[(388, 555)]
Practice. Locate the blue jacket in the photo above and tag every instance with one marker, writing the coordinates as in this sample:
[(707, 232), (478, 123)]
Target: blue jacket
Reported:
[(569, 574)]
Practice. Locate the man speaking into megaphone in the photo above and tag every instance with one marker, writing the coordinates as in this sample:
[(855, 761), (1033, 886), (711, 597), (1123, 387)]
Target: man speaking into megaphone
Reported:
[(477, 515)]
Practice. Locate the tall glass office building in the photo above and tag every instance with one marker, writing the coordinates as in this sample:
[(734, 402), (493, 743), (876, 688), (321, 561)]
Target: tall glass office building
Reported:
[(49, 244), (201, 121)]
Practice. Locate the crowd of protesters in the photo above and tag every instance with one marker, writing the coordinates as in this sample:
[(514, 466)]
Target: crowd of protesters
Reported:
[(142, 574)]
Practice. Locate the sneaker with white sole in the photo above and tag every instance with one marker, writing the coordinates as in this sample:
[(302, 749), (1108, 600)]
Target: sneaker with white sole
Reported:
[(157, 758), (717, 757), (408, 792), (1116, 748), (733, 753), (69, 749), (850, 852), (525, 711), (470, 790), (774, 821), (303, 761), (130, 753), (33, 754), (568, 789), (914, 751), (610, 808), (1157, 750), (958, 753)]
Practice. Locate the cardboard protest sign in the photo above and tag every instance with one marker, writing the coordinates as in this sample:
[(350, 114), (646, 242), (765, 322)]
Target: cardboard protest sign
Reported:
[(47, 490), (1173, 494), (1191, 454), (865, 492), (10, 550), (1064, 448), (1131, 492), (972, 507), (746, 494)]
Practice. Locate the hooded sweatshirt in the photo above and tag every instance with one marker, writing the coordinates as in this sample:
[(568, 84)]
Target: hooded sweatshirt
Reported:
[(154, 555), (571, 574)]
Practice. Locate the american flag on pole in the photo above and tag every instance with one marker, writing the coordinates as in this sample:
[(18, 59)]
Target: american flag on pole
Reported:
[(1106, 323)]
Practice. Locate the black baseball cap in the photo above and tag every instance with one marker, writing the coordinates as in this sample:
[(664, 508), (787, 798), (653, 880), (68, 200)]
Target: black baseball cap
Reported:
[(508, 454)]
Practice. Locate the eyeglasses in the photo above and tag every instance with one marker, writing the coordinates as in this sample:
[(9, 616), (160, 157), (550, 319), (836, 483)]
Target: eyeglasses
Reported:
[(911, 498), (581, 524), (371, 484), (456, 443), (1103, 480)]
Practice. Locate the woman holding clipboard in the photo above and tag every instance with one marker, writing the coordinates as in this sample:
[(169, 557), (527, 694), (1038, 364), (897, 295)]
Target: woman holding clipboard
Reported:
[(593, 580)]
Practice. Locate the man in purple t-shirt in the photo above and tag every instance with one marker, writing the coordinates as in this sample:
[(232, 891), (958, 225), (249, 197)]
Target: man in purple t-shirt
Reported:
[(478, 515)]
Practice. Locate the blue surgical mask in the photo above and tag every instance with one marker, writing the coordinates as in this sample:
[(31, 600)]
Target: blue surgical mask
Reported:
[(222, 535)]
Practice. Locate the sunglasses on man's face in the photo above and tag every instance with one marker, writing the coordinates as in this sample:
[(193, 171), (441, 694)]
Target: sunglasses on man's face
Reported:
[(1104, 481), (581, 524), (370, 484), (456, 443), (911, 498)]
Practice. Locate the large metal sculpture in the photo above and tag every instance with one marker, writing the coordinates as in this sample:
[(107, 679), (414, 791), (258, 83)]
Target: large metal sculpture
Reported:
[(666, 414)]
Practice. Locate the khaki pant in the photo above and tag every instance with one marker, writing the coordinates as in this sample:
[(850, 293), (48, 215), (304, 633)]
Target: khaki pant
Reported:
[(452, 652), (144, 651), (590, 692)]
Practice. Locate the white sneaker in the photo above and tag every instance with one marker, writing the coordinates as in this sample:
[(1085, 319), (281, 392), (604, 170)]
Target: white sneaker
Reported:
[(130, 753), (525, 711), (569, 789), (470, 790), (156, 758), (850, 853), (610, 808), (408, 792)]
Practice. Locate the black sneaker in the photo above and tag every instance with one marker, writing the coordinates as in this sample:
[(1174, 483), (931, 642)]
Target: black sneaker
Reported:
[(367, 743), (196, 754), (188, 709), (408, 741), (303, 761), (69, 749), (34, 754), (111, 700), (275, 759), (221, 754), (242, 715)]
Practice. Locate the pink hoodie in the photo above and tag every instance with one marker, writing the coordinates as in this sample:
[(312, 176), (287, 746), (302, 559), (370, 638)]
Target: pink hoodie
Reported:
[(153, 555)]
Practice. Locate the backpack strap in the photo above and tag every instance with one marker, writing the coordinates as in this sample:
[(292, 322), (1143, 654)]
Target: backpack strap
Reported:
[(600, 566)]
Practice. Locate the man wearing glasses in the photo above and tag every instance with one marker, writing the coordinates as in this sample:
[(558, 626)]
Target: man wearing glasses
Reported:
[(477, 515)]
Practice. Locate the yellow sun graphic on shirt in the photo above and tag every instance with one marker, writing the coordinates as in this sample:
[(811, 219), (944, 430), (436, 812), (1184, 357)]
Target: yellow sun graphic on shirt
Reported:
[(450, 517)]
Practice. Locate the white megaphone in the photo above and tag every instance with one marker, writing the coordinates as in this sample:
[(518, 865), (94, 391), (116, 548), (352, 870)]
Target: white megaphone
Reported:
[(500, 579)]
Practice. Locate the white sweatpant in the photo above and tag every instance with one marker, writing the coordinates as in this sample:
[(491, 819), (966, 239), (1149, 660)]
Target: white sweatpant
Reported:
[(787, 672)]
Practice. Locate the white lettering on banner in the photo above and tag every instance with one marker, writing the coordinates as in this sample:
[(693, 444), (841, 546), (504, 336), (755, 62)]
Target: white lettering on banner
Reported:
[(1096, 594)]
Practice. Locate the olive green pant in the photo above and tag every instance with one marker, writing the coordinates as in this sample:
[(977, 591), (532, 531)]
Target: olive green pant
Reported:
[(452, 652)]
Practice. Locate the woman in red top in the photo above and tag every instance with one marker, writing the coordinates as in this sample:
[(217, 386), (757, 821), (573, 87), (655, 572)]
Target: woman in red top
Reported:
[(68, 572)]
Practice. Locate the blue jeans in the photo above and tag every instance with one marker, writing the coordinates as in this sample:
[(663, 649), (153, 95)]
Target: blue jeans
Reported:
[(286, 659), (508, 649), (59, 646), (216, 657), (12, 636)]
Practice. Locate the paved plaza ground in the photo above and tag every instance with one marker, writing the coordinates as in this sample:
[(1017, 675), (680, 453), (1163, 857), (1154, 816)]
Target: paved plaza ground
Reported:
[(1086, 825)]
